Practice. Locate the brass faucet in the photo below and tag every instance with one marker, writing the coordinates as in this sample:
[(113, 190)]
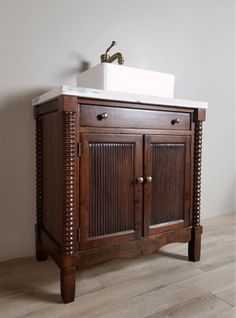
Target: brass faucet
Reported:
[(106, 58)]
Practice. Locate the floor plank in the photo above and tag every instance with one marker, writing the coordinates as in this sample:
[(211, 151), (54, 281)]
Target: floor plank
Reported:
[(164, 284), (227, 293), (204, 306)]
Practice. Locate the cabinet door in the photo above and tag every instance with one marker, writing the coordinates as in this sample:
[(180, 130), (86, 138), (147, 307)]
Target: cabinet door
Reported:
[(167, 197), (110, 198)]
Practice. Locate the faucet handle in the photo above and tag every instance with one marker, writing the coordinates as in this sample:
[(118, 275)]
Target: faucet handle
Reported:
[(113, 43)]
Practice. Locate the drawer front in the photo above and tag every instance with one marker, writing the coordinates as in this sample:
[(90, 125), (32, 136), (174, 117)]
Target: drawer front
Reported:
[(100, 116)]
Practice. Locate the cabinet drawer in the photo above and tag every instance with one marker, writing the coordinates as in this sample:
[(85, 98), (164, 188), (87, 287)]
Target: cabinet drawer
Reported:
[(101, 116)]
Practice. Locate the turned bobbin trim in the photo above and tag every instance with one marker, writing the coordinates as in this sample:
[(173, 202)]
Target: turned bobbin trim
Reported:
[(39, 171), (69, 155), (197, 173)]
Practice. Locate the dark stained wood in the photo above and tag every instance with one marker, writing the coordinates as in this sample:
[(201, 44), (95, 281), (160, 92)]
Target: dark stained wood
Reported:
[(67, 103), (199, 115), (69, 184), (57, 217), (62, 103), (166, 226), (130, 249), (54, 250), (100, 102), (94, 256), (52, 247), (197, 173), (48, 107), (132, 131), (167, 198), (70, 196), (54, 106), (110, 198), (68, 276), (194, 248), (41, 254), (53, 175), (89, 206), (133, 118), (155, 242)]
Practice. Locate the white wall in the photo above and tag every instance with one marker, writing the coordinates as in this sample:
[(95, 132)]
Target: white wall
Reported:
[(42, 45)]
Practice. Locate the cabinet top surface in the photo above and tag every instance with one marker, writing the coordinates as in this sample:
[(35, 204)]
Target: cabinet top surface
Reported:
[(116, 96)]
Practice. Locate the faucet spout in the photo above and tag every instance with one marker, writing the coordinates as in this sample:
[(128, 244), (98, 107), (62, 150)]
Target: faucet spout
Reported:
[(117, 56), (106, 58)]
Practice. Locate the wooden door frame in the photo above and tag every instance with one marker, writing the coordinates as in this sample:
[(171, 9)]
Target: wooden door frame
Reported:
[(110, 239)]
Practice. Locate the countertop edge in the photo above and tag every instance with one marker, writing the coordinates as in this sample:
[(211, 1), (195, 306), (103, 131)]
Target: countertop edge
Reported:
[(117, 96)]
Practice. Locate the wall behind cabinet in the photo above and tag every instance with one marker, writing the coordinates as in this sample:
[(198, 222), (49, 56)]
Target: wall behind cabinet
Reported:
[(43, 44)]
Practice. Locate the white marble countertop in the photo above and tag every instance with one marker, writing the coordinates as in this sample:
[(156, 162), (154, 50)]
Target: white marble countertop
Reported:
[(116, 96)]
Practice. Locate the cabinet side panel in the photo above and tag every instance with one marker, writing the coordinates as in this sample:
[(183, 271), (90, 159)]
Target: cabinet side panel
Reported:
[(53, 175)]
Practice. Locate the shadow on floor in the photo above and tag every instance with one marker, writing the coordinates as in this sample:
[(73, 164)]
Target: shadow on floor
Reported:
[(173, 255)]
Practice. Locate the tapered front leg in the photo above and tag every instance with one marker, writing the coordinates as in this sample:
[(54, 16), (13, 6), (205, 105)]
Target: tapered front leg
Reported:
[(68, 277), (70, 220), (194, 246)]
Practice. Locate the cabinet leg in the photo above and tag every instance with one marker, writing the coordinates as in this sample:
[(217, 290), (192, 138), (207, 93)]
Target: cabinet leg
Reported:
[(68, 277), (41, 254), (194, 246)]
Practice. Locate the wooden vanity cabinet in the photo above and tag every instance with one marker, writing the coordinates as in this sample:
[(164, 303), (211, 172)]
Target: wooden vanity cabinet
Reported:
[(115, 179)]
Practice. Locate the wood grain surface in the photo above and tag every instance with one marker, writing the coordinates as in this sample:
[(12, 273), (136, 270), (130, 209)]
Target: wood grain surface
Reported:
[(163, 284)]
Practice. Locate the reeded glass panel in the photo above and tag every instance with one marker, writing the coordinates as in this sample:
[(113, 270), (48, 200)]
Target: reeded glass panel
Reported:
[(111, 196), (168, 170)]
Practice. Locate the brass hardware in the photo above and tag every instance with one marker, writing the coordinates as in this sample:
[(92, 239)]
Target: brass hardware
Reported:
[(148, 179), (140, 180), (106, 58), (102, 116), (175, 121), (113, 43)]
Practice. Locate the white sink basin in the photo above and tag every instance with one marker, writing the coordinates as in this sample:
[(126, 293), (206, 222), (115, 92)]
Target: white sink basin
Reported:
[(121, 78)]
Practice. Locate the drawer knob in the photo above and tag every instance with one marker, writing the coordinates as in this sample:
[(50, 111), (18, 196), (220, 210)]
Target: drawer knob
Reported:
[(140, 180), (148, 179), (102, 116), (175, 121)]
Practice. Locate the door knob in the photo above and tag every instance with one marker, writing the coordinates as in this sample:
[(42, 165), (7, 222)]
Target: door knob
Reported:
[(148, 179), (102, 116), (175, 121), (140, 180)]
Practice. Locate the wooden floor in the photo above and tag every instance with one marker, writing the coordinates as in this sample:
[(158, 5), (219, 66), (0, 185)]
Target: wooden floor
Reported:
[(160, 285)]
